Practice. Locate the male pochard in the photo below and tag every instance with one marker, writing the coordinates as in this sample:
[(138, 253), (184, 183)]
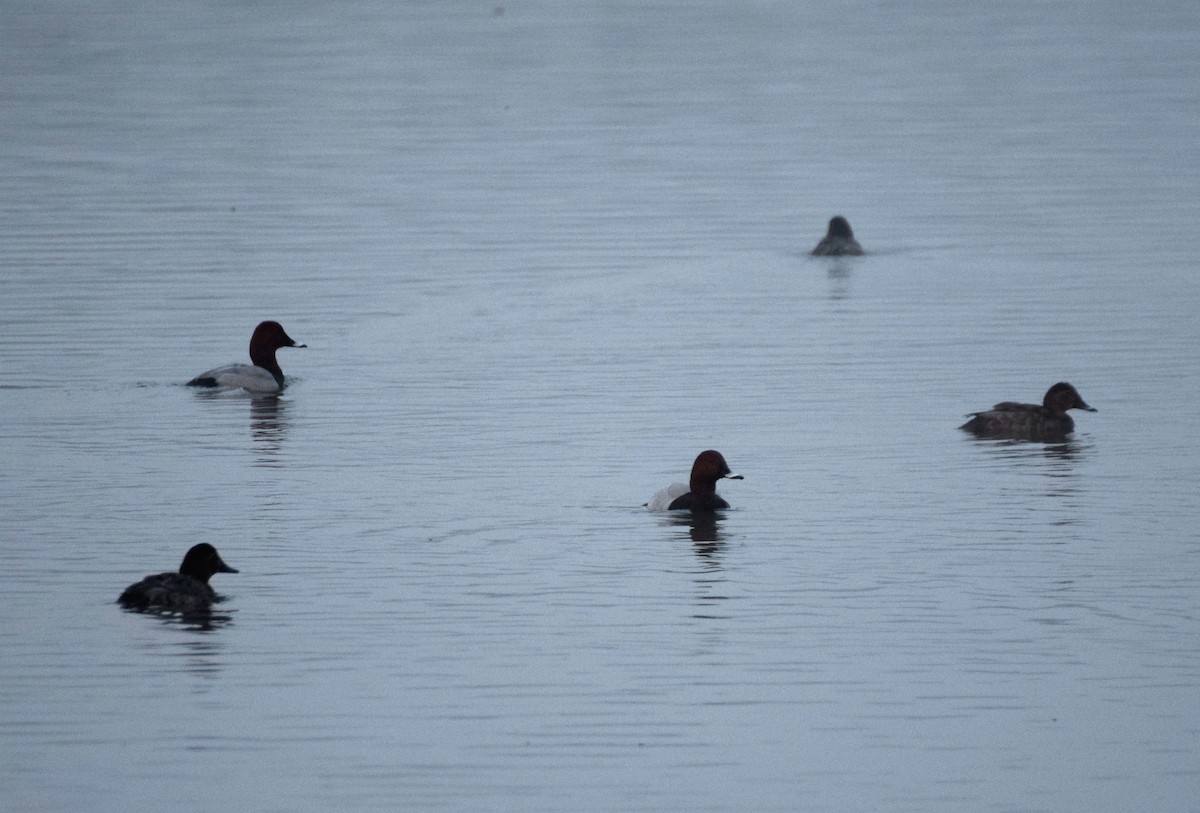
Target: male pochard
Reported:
[(1048, 421), (838, 240), (263, 374), (701, 492), (187, 591)]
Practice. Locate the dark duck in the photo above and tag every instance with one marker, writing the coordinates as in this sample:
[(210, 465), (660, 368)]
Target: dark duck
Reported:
[(1047, 421), (186, 592), (838, 240)]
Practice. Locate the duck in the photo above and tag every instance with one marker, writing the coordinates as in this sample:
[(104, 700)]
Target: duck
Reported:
[(263, 374), (187, 591), (700, 495), (1047, 421), (838, 240)]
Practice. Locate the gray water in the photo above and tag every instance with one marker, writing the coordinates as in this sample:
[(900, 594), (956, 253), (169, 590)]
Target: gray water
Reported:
[(542, 255)]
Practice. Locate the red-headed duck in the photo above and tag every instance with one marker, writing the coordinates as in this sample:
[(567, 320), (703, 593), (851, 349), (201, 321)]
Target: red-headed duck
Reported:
[(701, 492), (263, 375), (1048, 421), (187, 591), (838, 241)]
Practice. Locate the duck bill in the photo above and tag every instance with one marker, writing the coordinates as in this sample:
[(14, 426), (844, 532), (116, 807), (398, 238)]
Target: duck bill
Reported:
[(224, 568), (1087, 408), (734, 477)]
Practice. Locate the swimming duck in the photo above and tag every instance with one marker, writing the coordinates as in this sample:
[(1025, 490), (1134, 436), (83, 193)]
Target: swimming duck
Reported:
[(838, 240), (1046, 422), (263, 374), (701, 492), (187, 591)]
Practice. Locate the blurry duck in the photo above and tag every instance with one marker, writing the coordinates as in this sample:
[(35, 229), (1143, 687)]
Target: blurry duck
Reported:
[(263, 374), (187, 591), (838, 240), (1048, 421), (701, 492)]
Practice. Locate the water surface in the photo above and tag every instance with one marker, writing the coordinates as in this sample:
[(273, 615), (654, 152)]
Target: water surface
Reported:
[(542, 255)]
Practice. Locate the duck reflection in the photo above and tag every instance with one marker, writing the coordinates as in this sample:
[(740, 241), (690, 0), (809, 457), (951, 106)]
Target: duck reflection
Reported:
[(198, 620), (839, 279), (206, 620), (1063, 452), (268, 420), (268, 427), (201, 651), (1057, 462), (704, 529), (202, 656), (708, 543), (1058, 465)]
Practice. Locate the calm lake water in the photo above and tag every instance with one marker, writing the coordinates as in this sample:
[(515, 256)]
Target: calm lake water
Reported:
[(542, 254)]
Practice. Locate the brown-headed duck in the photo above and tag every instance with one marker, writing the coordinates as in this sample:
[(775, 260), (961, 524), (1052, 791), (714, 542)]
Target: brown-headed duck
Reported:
[(263, 374), (701, 492), (187, 591), (838, 241), (1048, 421)]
